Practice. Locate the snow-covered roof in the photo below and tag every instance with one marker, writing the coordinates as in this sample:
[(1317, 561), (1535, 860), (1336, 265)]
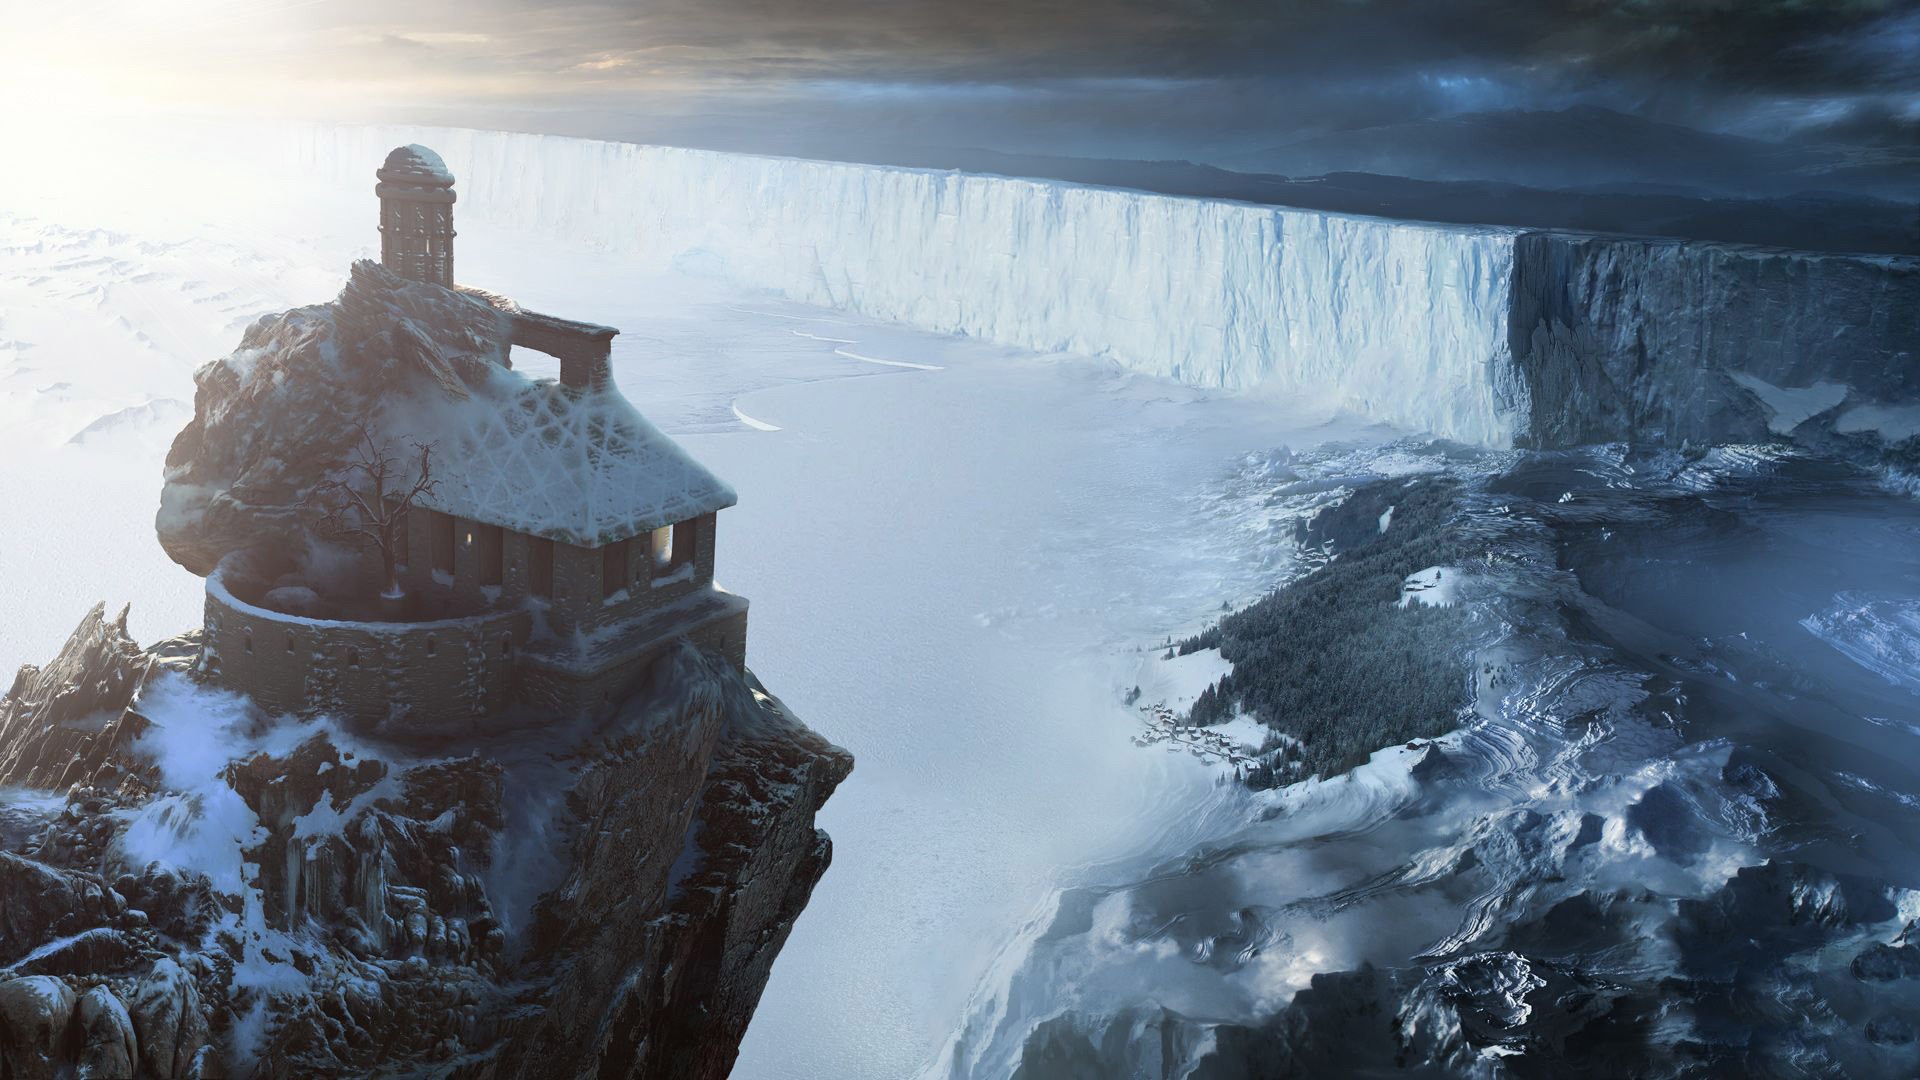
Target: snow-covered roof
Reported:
[(415, 164), (579, 466)]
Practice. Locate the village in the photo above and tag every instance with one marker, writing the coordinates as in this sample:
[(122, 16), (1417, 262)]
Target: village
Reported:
[(1164, 727)]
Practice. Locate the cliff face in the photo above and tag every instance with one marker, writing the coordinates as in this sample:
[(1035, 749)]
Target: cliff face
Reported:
[(192, 886), (220, 893), (1668, 343)]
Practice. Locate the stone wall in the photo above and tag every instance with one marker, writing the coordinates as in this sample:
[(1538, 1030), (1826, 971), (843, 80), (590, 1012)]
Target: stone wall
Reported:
[(559, 684), (578, 601), (446, 675)]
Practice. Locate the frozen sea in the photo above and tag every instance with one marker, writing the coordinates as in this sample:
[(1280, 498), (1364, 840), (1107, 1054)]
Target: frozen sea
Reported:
[(960, 556)]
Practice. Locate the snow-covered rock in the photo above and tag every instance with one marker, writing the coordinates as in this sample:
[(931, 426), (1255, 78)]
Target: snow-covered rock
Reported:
[(35, 1013), (168, 1020), (580, 900), (109, 1046), (274, 417)]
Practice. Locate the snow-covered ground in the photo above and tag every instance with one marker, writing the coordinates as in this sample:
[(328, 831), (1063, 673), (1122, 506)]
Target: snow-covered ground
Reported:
[(960, 555)]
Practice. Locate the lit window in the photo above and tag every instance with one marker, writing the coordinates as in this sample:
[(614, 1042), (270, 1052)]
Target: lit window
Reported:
[(663, 545)]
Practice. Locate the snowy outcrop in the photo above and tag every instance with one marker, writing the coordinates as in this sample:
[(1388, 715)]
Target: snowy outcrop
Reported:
[(236, 894), (60, 724), (1488, 335), (274, 416)]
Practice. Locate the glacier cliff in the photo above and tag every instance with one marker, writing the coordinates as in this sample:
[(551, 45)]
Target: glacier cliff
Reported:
[(1495, 336)]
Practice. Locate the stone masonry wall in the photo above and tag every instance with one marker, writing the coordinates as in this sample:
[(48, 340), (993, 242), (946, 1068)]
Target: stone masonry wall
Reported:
[(578, 602), (451, 673), (559, 692)]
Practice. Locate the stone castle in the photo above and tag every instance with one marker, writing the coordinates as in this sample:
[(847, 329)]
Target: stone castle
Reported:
[(565, 544)]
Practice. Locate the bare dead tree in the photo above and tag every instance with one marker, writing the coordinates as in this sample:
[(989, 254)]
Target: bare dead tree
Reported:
[(369, 497)]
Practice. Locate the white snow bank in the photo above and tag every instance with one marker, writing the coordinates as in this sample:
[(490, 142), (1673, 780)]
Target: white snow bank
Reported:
[(1880, 634), (1436, 586), (201, 824), (1178, 682), (1893, 423), (1245, 732), (1790, 407)]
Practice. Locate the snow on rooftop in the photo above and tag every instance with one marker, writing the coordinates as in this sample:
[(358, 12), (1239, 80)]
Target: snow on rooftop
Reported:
[(582, 467), (415, 162)]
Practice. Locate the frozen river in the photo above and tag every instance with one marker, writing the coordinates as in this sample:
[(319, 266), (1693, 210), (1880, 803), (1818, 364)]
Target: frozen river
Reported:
[(959, 555)]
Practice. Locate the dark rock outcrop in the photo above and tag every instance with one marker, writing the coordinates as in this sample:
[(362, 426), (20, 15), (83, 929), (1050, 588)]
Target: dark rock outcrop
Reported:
[(576, 900), (1646, 341), (35, 1013), (63, 724)]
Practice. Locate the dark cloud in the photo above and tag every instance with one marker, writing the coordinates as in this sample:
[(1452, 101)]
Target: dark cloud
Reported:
[(1195, 78), (1776, 45)]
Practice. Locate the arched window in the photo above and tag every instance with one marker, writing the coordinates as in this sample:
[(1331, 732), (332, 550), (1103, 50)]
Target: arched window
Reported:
[(289, 641), (248, 638), (506, 644), (353, 657), (432, 645)]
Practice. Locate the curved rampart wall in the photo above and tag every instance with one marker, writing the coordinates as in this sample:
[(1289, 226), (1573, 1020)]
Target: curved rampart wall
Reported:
[(452, 673)]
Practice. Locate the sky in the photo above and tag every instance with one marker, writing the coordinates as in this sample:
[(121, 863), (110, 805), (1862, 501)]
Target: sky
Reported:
[(1201, 79)]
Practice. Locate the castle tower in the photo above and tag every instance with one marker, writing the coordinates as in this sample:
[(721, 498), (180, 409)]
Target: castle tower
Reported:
[(416, 215)]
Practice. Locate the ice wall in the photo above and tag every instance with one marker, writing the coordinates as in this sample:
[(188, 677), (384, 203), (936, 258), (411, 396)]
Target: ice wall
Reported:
[(1487, 335), (1401, 323)]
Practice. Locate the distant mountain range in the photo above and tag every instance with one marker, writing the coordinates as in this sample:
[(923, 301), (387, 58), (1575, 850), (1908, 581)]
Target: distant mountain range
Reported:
[(1594, 149)]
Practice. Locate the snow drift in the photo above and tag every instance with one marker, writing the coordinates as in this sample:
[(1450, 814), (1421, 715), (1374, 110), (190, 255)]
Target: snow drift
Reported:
[(1488, 335)]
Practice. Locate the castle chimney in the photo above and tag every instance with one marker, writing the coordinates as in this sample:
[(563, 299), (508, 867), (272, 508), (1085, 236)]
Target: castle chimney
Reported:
[(586, 366), (416, 215), (585, 350)]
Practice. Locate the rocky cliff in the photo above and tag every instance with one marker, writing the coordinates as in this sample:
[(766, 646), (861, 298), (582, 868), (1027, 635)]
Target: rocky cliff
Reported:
[(1667, 343), (271, 417), (189, 888), (192, 886)]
